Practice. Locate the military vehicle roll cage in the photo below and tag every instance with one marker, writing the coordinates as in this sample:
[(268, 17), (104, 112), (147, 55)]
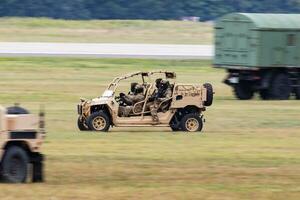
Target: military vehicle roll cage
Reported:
[(113, 85)]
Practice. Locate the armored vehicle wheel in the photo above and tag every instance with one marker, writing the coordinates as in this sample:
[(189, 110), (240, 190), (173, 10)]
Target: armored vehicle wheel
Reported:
[(191, 123), (209, 94), (81, 125), (16, 110), (281, 87), (98, 121), (15, 165), (243, 92)]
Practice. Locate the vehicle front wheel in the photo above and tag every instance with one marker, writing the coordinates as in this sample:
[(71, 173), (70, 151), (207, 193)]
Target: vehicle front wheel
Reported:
[(191, 123), (82, 125), (281, 87), (98, 121), (243, 91), (14, 166)]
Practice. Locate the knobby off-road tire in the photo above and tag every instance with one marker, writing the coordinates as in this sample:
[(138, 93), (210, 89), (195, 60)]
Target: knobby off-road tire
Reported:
[(209, 94), (81, 125), (14, 167), (191, 123), (16, 110), (280, 87), (243, 91), (98, 121), (174, 128)]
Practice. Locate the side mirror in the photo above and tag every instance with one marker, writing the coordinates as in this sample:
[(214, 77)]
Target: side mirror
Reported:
[(179, 97)]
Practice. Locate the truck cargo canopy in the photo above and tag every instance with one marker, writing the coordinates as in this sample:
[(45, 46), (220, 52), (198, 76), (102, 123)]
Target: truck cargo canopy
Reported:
[(267, 21)]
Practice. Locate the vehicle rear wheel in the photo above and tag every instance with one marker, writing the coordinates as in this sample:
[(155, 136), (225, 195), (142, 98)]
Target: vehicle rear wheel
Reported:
[(243, 91), (174, 128), (98, 121), (191, 123), (297, 90), (16, 110), (82, 125), (297, 93), (209, 94), (264, 94), (14, 167), (280, 87)]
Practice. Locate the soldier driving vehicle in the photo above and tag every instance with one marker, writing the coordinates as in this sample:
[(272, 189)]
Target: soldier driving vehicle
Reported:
[(160, 103), (21, 137), (131, 99)]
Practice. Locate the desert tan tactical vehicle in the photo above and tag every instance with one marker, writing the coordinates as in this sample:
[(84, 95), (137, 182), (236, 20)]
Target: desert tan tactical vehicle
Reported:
[(21, 137), (182, 111)]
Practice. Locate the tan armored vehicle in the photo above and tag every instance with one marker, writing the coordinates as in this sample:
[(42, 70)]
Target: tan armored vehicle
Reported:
[(21, 137), (180, 109)]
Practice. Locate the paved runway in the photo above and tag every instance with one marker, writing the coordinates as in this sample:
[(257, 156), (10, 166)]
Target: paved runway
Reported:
[(106, 50)]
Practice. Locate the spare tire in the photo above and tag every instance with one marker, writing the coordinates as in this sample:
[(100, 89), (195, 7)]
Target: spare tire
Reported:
[(209, 94), (16, 110)]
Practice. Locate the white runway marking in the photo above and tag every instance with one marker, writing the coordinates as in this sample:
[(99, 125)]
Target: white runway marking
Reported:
[(107, 50)]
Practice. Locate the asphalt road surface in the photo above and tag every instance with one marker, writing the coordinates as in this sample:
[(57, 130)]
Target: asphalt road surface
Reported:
[(107, 50)]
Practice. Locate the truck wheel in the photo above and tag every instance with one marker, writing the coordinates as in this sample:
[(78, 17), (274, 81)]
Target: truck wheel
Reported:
[(243, 92), (209, 94), (280, 87), (264, 94), (98, 121), (81, 125), (15, 165), (191, 123), (16, 110), (297, 90), (297, 93)]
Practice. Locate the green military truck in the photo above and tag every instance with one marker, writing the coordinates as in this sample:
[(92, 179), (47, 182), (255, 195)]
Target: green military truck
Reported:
[(261, 53)]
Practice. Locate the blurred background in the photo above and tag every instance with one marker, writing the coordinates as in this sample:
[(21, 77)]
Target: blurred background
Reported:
[(53, 52), (204, 10)]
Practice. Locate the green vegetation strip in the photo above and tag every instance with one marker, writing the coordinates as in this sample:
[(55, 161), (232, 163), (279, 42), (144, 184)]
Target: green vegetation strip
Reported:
[(104, 31)]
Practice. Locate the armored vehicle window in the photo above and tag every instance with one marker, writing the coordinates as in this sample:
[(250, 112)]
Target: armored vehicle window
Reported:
[(291, 40)]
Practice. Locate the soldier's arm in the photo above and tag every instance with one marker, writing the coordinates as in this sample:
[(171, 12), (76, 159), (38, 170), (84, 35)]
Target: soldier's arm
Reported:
[(167, 95), (137, 98), (128, 100)]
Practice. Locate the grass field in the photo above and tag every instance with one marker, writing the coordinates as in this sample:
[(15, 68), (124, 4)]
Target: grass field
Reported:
[(105, 31), (248, 149)]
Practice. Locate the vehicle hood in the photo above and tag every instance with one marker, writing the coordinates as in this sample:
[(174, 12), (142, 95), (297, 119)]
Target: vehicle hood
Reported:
[(100, 100)]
